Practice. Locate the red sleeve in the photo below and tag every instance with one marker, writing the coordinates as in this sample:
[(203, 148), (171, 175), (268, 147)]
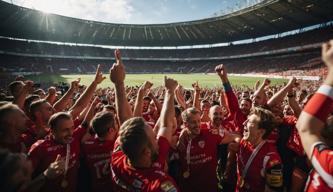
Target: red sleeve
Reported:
[(216, 135), (232, 102), (164, 147), (290, 120), (77, 122), (79, 132), (35, 153), (322, 162)]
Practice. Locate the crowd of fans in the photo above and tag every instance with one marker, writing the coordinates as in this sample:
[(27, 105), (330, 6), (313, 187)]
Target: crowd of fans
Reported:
[(146, 138), (271, 64), (305, 38)]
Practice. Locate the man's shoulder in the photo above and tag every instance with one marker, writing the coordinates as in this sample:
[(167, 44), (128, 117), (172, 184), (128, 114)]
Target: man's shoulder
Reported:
[(42, 143)]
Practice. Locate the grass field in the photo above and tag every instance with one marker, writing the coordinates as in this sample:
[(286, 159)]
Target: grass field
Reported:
[(205, 80)]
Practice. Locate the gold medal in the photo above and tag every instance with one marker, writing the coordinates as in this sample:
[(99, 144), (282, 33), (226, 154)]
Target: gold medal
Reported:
[(64, 183), (186, 174)]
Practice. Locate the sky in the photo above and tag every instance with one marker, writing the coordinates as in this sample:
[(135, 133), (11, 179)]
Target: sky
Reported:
[(136, 11)]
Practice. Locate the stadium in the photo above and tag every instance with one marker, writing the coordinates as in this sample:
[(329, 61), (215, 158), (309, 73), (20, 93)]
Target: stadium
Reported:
[(275, 39)]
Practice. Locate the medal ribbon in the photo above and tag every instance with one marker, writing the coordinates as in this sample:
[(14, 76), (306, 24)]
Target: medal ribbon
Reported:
[(68, 151), (188, 154), (253, 155)]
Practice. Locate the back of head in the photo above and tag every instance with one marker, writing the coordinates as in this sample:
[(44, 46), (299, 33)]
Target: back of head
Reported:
[(266, 120), (110, 108), (14, 87), (30, 99), (9, 165), (5, 111), (36, 106), (133, 138), (102, 122)]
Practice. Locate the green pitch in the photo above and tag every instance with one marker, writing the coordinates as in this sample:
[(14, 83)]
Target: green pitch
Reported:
[(205, 80)]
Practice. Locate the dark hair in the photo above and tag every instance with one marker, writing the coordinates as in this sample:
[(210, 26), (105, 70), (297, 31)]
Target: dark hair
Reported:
[(14, 85), (266, 120), (35, 106), (28, 102), (178, 111), (110, 108), (247, 99), (133, 138), (55, 118), (102, 122), (147, 98)]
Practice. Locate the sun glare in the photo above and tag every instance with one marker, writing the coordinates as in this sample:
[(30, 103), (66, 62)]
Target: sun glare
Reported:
[(51, 6)]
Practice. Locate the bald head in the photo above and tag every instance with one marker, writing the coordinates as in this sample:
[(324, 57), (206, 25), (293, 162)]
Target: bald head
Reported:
[(216, 115)]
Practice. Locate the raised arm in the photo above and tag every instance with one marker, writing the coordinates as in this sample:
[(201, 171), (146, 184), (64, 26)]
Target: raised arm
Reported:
[(156, 102), (117, 76), (231, 99), (168, 109), (314, 115), (280, 95), (85, 98), (139, 99), (26, 89), (294, 104), (180, 97), (196, 102), (62, 103), (260, 92)]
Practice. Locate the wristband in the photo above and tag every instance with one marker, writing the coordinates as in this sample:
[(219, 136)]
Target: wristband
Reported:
[(320, 105), (227, 87)]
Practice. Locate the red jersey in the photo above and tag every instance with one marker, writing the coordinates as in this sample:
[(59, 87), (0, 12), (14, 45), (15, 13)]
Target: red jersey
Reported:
[(30, 136), (235, 113), (321, 177), (154, 179), (294, 141), (44, 152), (97, 155), (265, 169), (200, 173)]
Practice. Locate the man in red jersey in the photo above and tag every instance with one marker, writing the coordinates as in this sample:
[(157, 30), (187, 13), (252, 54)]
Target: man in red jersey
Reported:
[(139, 157), (63, 141), (238, 112), (97, 151), (198, 152), (259, 164), (312, 123)]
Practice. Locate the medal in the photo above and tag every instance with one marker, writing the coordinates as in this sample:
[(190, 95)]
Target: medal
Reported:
[(186, 174), (64, 183), (241, 183)]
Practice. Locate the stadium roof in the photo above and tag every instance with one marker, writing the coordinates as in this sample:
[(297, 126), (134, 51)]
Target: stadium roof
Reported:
[(266, 18)]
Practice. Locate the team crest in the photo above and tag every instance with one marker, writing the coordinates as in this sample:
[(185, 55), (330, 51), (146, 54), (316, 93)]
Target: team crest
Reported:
[(201, 144), (167, 186)]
